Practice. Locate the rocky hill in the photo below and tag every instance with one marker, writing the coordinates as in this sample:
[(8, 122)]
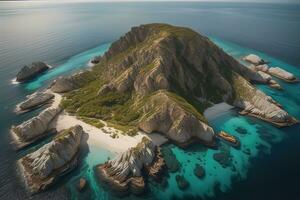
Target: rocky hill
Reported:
[(160, 78)]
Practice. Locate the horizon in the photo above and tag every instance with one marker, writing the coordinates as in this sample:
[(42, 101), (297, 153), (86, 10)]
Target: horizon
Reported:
[(120, 1)]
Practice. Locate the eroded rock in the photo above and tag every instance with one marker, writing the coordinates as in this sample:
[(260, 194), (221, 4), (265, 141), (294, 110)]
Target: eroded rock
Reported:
[(124, 173), (44, 166), (34, 128), (35, 100)]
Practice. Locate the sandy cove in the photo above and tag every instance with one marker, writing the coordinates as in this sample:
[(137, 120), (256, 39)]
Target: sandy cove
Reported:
[(101, 137)]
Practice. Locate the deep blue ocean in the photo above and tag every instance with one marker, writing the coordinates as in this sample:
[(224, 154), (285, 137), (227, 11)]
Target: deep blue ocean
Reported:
[(67, 36)]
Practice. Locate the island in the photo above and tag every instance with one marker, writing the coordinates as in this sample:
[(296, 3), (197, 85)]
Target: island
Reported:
[(156, 81), (29, 72)]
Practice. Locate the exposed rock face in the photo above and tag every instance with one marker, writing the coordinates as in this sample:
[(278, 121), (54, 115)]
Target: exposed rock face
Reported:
[(62, 84), (35, 100), (178, 124), (42, 167), (27, 73), (260, 105), (254, 59), (66, 84), (263, 68), (281, 73), (34, 128), (124, 173)]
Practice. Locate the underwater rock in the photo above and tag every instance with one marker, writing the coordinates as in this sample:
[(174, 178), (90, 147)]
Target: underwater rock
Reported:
[(82, 184), (241, 130), (199, 171), (172, 163), (44, 166), (222, 158), (247, 151), (182, 183), (27, 73)]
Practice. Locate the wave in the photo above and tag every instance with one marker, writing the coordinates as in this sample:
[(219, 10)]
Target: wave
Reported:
[(14, 81)]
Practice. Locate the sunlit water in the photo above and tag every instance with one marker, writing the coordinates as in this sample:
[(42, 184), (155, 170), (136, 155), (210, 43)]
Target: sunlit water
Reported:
[(67, 36)]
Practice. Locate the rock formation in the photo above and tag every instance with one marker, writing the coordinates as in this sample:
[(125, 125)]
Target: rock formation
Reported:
[(255, 103), (42, 167), (282, 74), (179, 124), (274, 71), (124, 173), (27, 73), (66, 84), (254, 59), (62, 84), (35, 100), (34, 128)]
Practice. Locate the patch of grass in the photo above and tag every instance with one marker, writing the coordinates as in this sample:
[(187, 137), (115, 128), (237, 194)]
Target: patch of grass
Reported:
[(126, 130), (92, 121), (186, 106)]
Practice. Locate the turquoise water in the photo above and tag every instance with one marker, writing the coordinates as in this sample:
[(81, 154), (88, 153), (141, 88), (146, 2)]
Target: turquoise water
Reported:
[(72, 64), (95, 156), (256, 142)]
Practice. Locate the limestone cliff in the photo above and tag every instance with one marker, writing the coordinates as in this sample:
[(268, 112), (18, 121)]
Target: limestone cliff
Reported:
[(34, 128), (43, 166)]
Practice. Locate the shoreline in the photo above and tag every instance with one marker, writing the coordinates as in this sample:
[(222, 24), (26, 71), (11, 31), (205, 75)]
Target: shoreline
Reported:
[(98, 136)]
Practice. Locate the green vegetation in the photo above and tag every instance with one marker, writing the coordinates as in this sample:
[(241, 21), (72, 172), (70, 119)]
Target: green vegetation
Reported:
[(92, 121), (243, 89), (126, 130), (61, 135), (186, 106)]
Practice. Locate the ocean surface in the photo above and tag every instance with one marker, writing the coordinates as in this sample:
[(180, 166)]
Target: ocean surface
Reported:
[(67, 36)]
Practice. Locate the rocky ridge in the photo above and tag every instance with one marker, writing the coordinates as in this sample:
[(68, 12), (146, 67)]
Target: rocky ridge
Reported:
[(42, 167), (34, 128), (35, 100)]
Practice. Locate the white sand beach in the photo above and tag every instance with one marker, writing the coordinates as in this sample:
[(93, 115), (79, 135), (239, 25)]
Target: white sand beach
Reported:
[(102, 136)]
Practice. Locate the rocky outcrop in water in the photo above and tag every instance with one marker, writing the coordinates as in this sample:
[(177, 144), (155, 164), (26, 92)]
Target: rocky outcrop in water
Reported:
[(254, 59), (35, 100), (27, 73), (275, 71), (44, 166), (282, 74), (124, 175), (34, 128), (263, 107)]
